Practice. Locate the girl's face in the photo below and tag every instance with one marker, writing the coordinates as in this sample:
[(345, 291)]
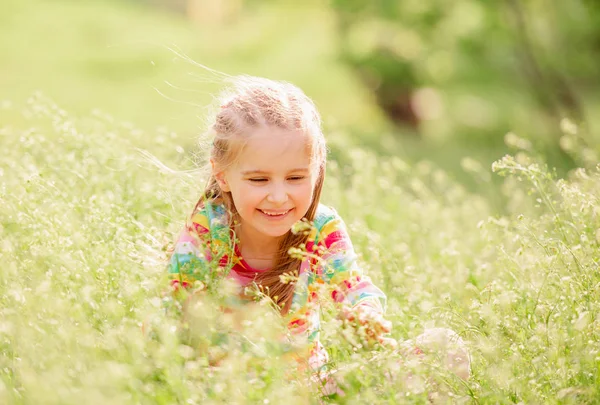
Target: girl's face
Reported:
[(271, 182)]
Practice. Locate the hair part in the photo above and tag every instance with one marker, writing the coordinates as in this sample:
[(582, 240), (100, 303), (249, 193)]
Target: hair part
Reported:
[(253, 103)]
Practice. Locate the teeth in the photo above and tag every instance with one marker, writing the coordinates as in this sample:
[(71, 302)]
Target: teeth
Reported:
[(274, 214)]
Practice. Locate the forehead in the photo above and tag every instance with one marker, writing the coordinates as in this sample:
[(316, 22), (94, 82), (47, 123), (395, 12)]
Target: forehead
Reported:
[(273, 149)]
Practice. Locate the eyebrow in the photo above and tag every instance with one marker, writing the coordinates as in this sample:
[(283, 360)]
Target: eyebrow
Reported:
[(251, 172)]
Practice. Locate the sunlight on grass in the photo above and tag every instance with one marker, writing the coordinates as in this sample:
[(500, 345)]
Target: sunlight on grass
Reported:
[(86, 219)]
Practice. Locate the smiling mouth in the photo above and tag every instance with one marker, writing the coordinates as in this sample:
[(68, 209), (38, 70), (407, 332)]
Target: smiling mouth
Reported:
[(275, 214)]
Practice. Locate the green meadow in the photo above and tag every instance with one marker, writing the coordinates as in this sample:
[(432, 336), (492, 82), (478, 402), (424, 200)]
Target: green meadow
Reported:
[(102, 106)]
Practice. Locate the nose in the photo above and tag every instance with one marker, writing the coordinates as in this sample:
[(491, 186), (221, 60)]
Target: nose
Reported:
[(277, 194)]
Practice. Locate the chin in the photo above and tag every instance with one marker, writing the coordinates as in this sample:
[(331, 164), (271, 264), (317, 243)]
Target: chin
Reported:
[(276, 233)]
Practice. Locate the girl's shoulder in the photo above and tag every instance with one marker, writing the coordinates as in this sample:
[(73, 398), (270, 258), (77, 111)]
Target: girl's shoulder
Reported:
[(210, 217), (324, 215), (328, 224)]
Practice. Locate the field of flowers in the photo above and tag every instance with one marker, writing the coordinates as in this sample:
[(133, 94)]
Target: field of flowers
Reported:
[(86, 218), (503, 250)]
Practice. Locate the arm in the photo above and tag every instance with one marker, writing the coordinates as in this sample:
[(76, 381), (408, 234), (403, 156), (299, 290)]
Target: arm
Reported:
[(341, 270), (186, 258), (189, 261), (363, 303)]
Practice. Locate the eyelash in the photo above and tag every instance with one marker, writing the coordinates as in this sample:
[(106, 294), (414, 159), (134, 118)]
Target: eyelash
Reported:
[(262, 180)]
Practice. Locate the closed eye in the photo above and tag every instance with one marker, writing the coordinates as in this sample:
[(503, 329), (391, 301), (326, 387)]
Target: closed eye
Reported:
[(296, 178), (258, 180)]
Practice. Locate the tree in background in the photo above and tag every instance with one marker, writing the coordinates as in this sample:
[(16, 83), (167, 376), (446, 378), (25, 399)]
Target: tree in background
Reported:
[(544, 50)]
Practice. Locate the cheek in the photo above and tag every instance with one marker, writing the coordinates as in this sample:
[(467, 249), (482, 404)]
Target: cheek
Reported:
[(305, 193), (247, 197)]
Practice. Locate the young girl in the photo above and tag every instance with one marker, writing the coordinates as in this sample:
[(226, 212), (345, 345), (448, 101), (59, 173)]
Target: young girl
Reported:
[(267, 173)]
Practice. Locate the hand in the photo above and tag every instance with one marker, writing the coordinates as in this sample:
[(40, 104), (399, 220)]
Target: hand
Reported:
[(370, 323)]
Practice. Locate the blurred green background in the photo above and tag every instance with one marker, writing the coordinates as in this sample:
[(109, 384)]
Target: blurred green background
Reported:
[(434, 80)]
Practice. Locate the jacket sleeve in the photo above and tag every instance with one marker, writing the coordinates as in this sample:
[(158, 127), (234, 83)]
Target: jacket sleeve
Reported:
[(189, 258), (339, 268)]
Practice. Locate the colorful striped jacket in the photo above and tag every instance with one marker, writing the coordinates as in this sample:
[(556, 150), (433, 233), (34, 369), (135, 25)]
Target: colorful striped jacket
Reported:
[(331, 267)]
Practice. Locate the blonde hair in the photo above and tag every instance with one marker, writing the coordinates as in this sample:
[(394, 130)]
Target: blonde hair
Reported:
[(252, 103)]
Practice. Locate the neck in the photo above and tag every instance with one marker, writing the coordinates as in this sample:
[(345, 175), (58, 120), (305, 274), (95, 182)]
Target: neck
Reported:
[(256, 244)]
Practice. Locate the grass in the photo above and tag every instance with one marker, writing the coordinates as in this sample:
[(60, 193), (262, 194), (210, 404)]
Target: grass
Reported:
[(86, 218)]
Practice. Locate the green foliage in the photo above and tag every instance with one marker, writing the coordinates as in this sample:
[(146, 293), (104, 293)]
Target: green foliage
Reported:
[(476, 60)]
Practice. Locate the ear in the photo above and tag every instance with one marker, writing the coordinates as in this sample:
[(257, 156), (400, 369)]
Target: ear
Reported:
[(220, 176)]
